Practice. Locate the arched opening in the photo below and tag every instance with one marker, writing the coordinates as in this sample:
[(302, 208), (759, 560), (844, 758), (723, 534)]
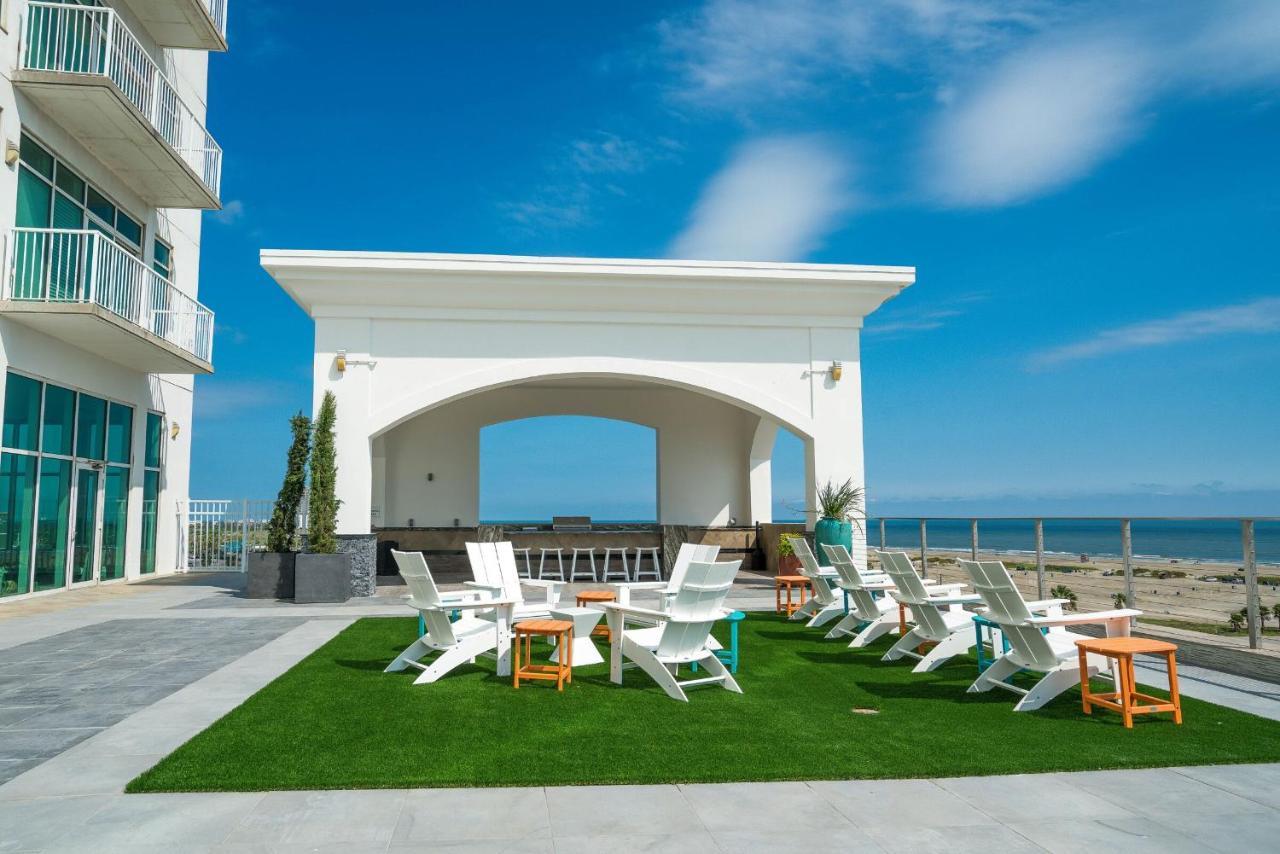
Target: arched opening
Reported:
[(788, 479), (568, 465)]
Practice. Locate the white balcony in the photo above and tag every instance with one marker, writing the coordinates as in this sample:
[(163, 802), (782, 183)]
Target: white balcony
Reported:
[(82, 66), (82, 287), (193, 24)]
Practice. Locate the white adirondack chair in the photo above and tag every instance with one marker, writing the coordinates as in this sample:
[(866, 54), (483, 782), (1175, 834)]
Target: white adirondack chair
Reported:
[(496, 573), (938, 613), (826, 604), (666, 590), (457, 642), (869, 618), (683, 631), (1052, 653)]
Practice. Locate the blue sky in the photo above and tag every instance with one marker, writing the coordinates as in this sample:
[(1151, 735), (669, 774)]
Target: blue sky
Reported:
[(1090, 196)]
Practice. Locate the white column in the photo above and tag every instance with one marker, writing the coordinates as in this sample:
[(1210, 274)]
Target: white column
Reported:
[(835, 451), (351, 433), (760, 468)]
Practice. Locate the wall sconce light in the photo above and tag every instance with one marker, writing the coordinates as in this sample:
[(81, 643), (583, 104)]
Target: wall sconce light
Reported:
[(430, 476), (340, 362), (837, 371), (174, 429), (11, 153)]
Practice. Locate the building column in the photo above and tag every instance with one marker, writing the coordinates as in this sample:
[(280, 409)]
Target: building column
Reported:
[(351, 430), (760, 471), (835, 452)]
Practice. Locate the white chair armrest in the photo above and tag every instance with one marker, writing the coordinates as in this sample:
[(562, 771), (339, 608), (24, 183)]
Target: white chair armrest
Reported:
[(1084, 619), (954, 585), (1046, 604), (963, 599), (633, 611), (639, 585), (480, 585), (479, 604), (543, 583)]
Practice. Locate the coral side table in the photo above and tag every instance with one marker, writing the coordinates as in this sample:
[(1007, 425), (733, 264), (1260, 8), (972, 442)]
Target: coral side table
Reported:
[(590, 598), (789, 583), (561, 631), (1128, 701)]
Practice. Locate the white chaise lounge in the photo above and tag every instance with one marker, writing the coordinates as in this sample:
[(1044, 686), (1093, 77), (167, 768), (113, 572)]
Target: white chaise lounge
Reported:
[(457, 642), (869, 617), (1052, 652), (938, 613), (826, 604), (683, 632)]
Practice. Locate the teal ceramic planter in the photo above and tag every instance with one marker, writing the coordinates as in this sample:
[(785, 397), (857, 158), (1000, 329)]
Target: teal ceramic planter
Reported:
[(831, 532)]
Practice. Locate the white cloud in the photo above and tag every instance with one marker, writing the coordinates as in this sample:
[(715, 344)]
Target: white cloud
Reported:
[(775, 201), (231, 213), (607, 153), (1257, 317)]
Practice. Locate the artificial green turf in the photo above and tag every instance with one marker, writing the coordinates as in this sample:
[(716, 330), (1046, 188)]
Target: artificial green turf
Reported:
[(337, 721)]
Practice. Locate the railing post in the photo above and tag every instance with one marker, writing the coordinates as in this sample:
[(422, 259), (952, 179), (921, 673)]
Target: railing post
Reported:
[(1040, 594), (924, 550), (1126, 557), (244, 537), (883, 541), (1250, 580), (973, 539)]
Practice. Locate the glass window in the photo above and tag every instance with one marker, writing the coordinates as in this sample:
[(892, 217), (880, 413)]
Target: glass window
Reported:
[(101, 208), (162, 261), (67, 214), (17, 491), (150, 497), (70, 183), (119, 433), (91, 427), (34, 202), (115, 515), (129, 229), (53, 523), (59, 420), (21, 412), (155, 437), (34, 154)]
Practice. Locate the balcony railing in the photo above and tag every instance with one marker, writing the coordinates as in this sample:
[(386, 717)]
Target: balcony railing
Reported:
[(93, 41), (87, 267), (218, 12)]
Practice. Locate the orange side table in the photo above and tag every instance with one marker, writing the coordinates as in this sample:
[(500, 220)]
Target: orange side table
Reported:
[(789, 583), (1128, 701), (523, 667), (586, 599)]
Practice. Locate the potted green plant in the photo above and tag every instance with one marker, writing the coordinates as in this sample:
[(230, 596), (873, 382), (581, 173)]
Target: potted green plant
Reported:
[(322, 573), (788, 563), (271, 573), (839, 509)]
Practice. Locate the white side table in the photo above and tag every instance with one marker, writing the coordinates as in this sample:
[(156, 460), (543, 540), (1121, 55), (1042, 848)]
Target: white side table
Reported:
[(584, 620)]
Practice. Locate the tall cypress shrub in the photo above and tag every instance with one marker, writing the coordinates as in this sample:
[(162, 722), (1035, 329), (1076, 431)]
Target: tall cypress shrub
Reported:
[(283, 526), (322, 512)]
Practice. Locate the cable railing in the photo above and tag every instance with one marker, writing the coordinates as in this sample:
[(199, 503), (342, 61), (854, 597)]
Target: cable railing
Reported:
[(91, 40), (83, 266), (1187, 571), (218, 13)]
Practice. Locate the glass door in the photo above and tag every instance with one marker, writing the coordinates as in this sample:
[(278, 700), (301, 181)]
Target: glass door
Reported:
[(84, 544)]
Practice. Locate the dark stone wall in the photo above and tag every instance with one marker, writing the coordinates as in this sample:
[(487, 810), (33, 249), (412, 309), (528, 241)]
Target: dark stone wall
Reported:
[(363, 549)]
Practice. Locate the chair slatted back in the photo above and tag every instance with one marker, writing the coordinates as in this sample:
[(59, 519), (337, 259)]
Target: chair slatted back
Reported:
[(425, 596), (695, 608), (809, 569), (1007, 609), (494, 565), (689, 553), (860, 598), (912, 592)]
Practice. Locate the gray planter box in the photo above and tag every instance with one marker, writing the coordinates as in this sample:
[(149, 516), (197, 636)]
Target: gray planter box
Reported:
[(270, 575), (322, 578)]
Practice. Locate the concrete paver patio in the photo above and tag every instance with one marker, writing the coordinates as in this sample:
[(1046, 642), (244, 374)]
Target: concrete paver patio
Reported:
[(73, 801)]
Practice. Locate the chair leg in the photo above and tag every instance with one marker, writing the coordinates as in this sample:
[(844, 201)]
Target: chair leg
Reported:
[(411, 654), (1000, 670), (905, 644), (716, 668), (957, 643), (1051, 685), (875, 630), (453, 657), (648, 662), (826, 615), (847, 627)]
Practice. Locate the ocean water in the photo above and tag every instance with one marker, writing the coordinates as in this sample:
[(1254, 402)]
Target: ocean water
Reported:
[(1207, 540)]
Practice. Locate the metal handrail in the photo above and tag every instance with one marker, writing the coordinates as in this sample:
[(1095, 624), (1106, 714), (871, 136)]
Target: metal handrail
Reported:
[(218, 14), (92, 40), (85, 266)]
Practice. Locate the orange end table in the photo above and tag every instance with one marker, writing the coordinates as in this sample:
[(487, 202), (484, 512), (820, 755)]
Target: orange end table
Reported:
[(586, 599), (789, 583), (1128, 701), (523, 667)]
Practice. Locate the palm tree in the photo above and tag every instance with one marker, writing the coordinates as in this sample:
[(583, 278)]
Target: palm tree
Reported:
[(1062, 591), (1275, 612), (1237, 621), (1118, 600)]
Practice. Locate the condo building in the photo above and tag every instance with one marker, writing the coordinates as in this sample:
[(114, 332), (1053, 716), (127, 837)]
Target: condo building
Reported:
[(107, 167)]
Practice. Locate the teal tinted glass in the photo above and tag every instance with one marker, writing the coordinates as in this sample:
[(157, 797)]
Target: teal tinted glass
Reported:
[(34, 200), (67, 214), (155, 435), (102, 208), (21, 412), (150, 498), (34, 155), (70, 183), (129, 229), (115, 515), (91, 427), (17, 492), (59, 420), (53, 523), (119, 433)]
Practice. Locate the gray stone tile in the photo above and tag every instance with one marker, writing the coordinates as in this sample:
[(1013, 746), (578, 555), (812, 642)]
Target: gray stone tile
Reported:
[(41, 743), (313, 818), (1031, 797), (14, 715), (79, 715), (980, 839), (529, 845), (186, 819), (456, 815), (763, 807), (1229, 834), (1129, 835), (615, 810), (899, 803), (1159, 792), (42, 823), (686, 842), (836, 840), (78, 775), (1260, 783)]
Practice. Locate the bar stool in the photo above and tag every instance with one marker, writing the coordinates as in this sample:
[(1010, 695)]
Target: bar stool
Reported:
[(610, 552), (590, 552), (559, 568), (654, 555), (528, 571)]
